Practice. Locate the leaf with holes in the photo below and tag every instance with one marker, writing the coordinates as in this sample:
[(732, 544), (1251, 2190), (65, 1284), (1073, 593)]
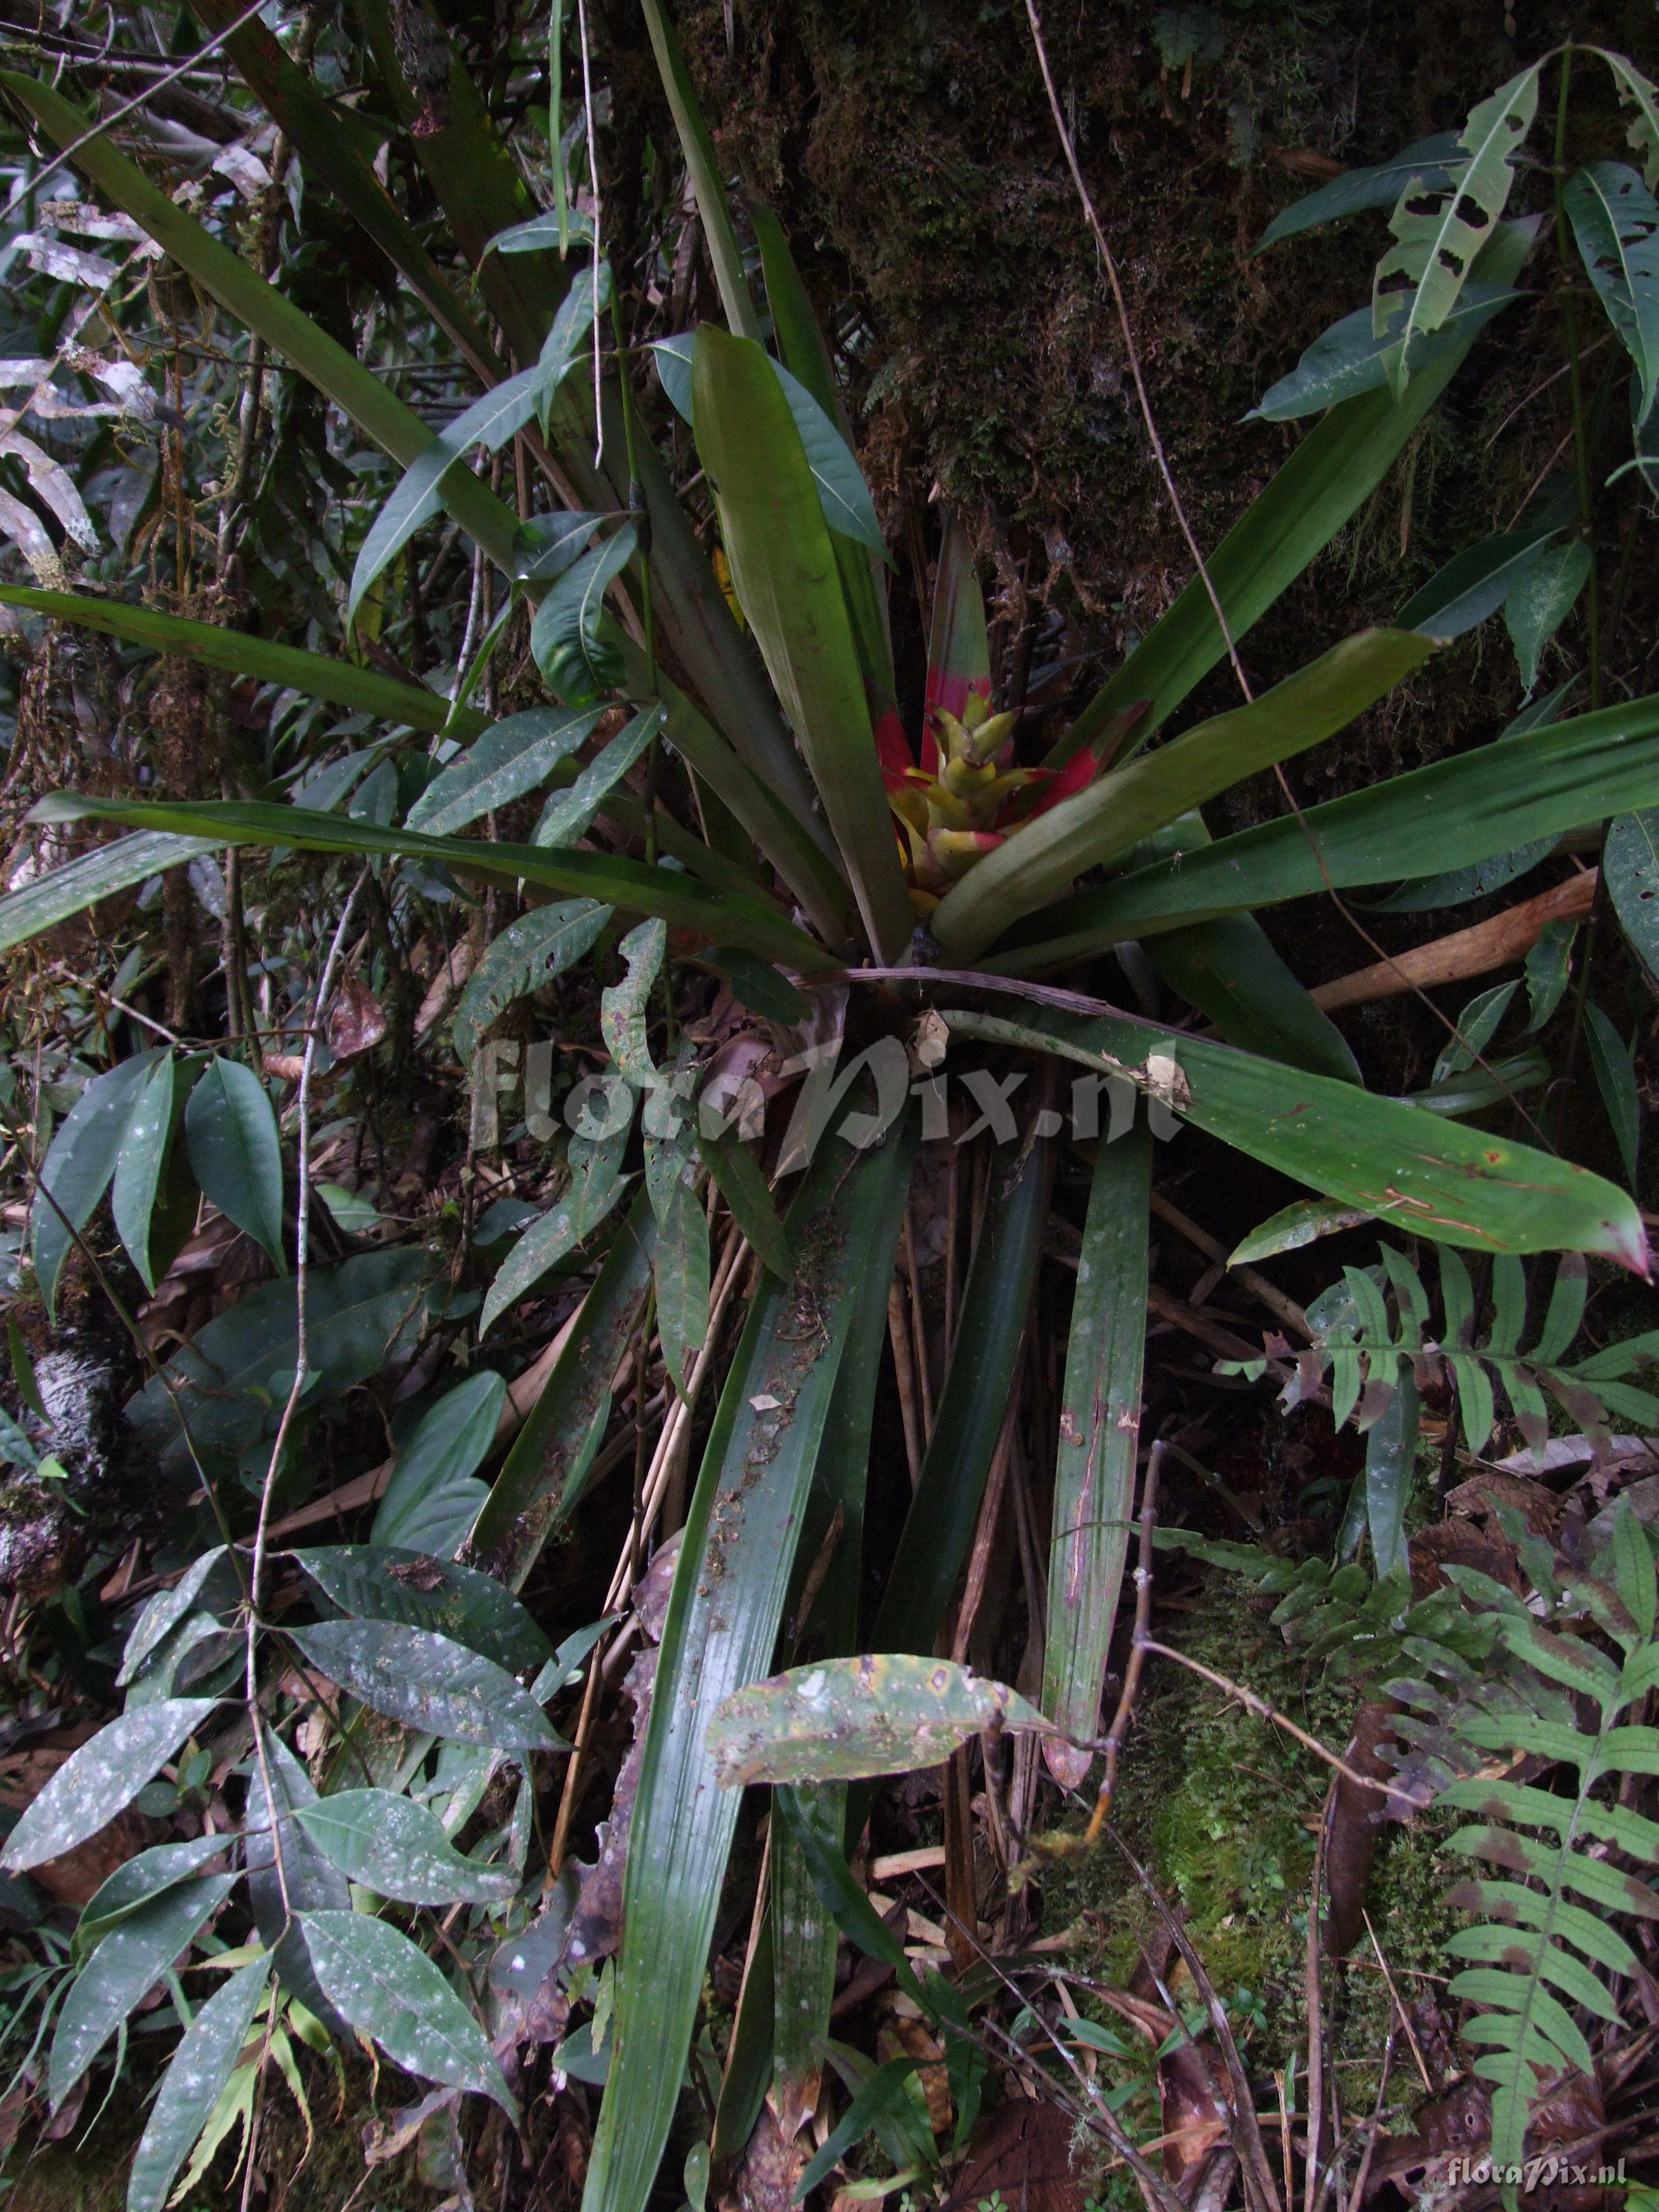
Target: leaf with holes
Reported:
[(1630, 866), (1615, 221), (1439, 230)]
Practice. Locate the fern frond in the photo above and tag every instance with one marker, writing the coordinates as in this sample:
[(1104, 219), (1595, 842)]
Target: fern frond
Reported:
[(1513, 1904)]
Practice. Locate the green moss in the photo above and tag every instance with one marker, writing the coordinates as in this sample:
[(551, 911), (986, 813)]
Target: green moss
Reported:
[(1222, 1809)]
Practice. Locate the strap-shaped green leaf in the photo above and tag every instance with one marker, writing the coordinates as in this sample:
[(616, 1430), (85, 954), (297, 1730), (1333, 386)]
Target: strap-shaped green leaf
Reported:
[(1615, 220), (1119, 810), (1457, 1186), (784, 573), (724, 1612), (1099, 1434), (1447, 815), (720, 916)]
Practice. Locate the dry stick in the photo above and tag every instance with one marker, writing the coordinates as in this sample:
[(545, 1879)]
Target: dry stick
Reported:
[(898, 1335), (301, 1358), (1411, 2032), (1113, 1745), (1315, 2011), (1357, 2194), (918, 1330), (990, 1512), (1263, 1710), (1252, 2160), (577, 1752), (1134, 354), (1473, 951), (678, 1425), (1285, 1309)]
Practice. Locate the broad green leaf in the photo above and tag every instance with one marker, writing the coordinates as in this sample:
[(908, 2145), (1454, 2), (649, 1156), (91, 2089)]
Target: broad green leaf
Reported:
[(1450, 815), (1435, 251), (137, 1883), (511, 757), (528, 953), (547, 543), (783, 570), (1548, 968), (229, 1381), (597, 1186), (716, 915), (1541, 601), (1475, 583), (702, 166), (427, 1681), (842, 493), (398, 1848), (1118, 810), (1476, 1026), (169, 1607), (1429, 159), (1325, 483), (431, 1501), (724, 1612), (1099, 1433), (1615, 1076), (64, 892), (1630, 862), (1351, 358), (1615, 221), (388, 1989), (101, 1778), (1231, 972), (81, 1164), (1458, 886), (376, 1582), (365, 690), (132, 1958), (1456, 1186), (235, 1154), (757, 985), (577, 661), (307, 1881), (570, 337), (490, 422), (841, 1719), (543, 1477), (569, 814), (192, 2085)]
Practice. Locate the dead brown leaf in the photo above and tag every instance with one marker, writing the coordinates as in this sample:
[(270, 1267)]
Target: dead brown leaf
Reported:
[(1024, 2150), (356, 1020)]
